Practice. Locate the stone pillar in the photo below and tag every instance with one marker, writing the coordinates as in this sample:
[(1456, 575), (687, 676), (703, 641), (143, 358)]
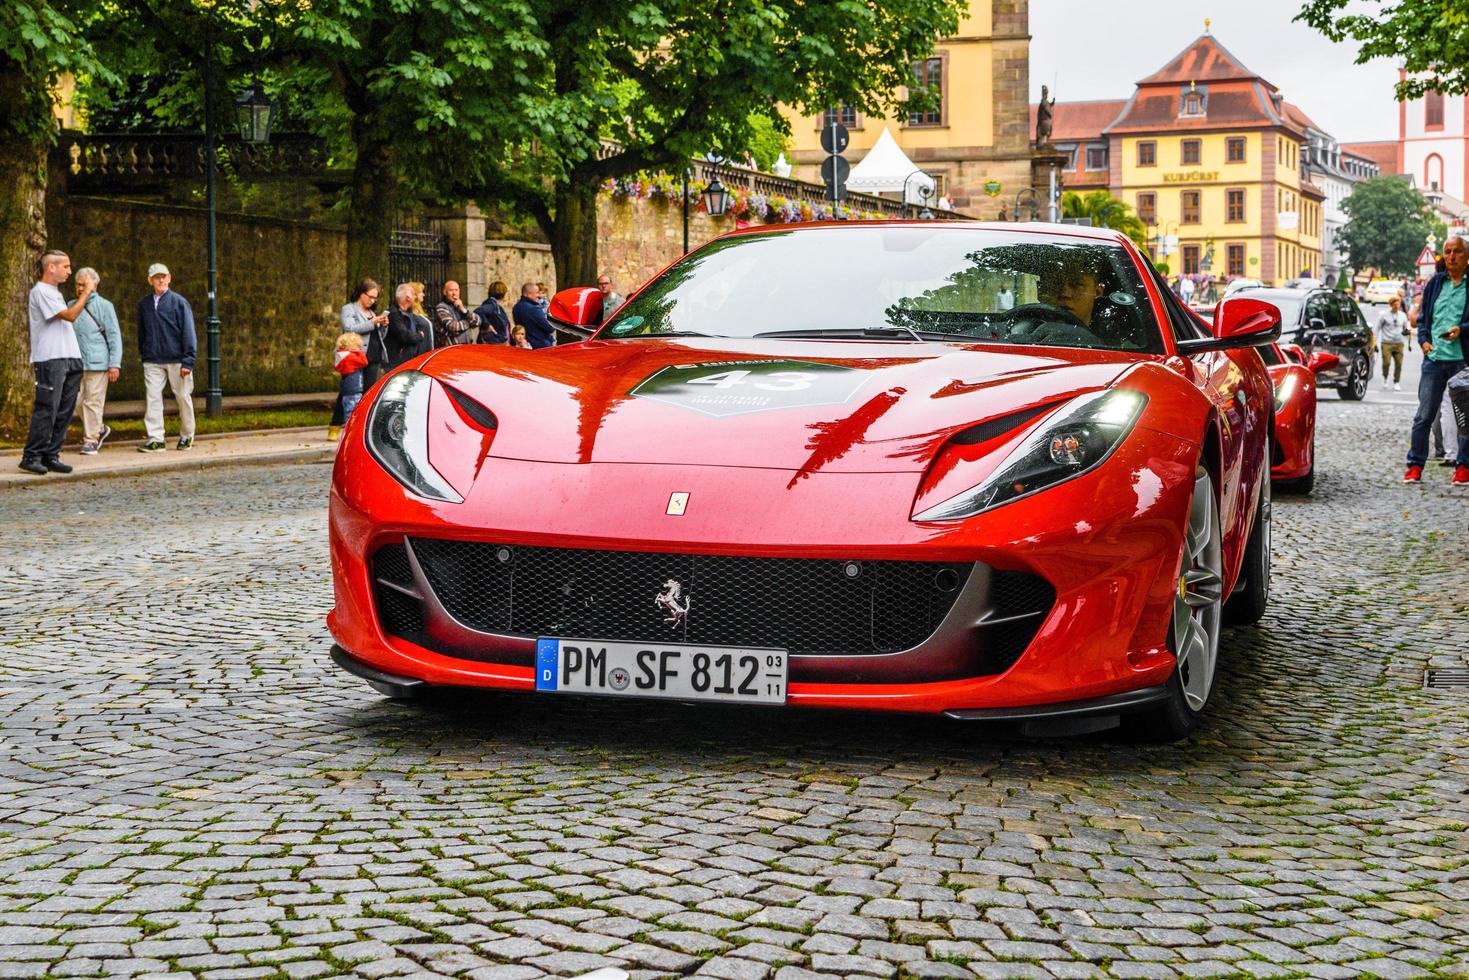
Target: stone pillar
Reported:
[(466, 230)]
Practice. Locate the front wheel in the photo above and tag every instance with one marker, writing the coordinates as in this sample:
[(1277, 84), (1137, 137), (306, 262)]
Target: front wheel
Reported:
[(1356, 387), (1197, 613)]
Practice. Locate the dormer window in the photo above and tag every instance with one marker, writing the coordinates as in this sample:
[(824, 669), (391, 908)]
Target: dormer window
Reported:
[(1193, 102)]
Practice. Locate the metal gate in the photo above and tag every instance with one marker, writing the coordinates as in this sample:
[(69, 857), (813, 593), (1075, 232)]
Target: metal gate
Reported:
[(418, 254)]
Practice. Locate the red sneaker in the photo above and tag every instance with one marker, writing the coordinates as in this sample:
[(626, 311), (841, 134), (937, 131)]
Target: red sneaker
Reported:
[(1461, 476), (1414, 475)]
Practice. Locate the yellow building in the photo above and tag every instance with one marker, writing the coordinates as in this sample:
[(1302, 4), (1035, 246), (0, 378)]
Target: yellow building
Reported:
[(976, 144), (1209, 154)]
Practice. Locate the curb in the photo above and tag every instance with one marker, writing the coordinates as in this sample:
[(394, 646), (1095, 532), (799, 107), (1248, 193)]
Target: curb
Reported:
[(293, 455), (209, 437)]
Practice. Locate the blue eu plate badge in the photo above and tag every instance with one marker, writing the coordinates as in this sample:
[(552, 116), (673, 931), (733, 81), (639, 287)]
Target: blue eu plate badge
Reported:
[(546, 665)]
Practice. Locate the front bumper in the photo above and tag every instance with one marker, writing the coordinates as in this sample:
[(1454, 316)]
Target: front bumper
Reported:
[(1107, 543)]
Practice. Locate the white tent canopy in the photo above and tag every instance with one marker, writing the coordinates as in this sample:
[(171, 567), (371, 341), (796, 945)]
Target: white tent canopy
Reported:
[(887, 168)]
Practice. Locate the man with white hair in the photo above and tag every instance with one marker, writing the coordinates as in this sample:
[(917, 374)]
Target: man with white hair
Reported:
[(168, 345), (100, 341), (57, 364), (1443, 315)]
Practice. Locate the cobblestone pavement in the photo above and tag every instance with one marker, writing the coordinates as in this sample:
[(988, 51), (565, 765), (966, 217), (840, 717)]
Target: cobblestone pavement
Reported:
[(187, 786)]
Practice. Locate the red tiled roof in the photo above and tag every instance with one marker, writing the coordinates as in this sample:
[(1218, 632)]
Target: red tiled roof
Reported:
[(1079, 121), (1204, 60), (1295, 114), (1310, 190), (1384, 153), (1228, 105)]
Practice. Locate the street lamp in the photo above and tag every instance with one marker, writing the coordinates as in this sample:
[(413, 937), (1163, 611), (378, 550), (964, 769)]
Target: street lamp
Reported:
[(253, 113), (716, 199), (924, 190)]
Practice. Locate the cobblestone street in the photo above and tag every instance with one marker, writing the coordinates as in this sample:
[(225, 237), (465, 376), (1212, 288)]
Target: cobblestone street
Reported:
[(188, 786)]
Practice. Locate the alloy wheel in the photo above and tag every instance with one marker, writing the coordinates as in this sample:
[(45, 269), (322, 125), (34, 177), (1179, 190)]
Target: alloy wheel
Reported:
[(1196, 610)]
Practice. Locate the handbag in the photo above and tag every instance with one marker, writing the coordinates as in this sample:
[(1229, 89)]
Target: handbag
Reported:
[(1459, 399)]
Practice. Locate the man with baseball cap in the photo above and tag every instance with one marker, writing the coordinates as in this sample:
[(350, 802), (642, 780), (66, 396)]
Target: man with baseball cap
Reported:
[(168, 344)]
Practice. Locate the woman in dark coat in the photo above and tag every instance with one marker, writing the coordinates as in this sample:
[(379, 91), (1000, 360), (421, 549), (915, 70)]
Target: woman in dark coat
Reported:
[(495, 328)]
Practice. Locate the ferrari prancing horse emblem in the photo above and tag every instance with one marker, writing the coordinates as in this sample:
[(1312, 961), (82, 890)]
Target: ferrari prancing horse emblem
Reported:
[(673, 602), (677, 504)]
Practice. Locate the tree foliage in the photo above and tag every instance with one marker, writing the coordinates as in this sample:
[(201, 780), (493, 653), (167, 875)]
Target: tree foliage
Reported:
[(1429, 37), (1388, 224), (1105, 211)]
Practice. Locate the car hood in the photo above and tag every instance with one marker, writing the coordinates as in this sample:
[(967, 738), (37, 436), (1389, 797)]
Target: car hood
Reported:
[(791, 405)]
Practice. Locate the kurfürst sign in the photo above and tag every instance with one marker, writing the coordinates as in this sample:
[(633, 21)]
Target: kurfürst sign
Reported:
[(1191, 177)]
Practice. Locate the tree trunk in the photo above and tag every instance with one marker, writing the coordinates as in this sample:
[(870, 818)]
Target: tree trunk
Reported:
[(574, 243), (22, 237), (373, 212)]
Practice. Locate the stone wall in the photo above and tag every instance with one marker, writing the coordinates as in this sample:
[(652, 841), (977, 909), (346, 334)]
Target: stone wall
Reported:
[(515, 263), (280, 286)]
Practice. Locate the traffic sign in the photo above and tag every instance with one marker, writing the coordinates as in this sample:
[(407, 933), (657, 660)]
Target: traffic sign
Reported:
[(1426, 257), (835, 170), (834, 138)]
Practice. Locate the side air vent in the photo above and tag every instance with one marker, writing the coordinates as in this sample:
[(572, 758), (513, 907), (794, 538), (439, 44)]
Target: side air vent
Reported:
[(996, 427)]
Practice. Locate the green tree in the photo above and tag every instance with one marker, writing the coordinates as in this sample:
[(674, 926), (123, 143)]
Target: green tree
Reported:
[(1105, 211), (1388, 222), (39, 41), (647, 84), (1429, 37), (391, 85)]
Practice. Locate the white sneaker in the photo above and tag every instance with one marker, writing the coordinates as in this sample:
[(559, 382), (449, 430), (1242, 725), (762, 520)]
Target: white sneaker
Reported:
[(1396, 386)]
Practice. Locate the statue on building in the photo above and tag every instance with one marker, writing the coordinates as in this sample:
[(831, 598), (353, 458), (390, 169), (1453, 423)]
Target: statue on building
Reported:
[(1043, 118)]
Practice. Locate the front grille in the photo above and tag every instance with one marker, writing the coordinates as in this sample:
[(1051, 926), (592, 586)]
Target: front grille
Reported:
[(400, 614), (808, 606)]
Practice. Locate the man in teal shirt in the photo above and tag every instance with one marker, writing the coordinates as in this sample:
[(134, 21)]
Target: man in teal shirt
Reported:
[(1442, 318)]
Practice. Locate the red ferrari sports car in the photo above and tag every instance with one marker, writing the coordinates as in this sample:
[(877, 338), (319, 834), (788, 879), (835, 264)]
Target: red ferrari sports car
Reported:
[(992, 471), (1293, 446)]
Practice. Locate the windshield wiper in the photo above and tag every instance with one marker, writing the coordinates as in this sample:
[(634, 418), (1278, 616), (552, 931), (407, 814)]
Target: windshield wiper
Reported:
[(859, 333), (662, 333)]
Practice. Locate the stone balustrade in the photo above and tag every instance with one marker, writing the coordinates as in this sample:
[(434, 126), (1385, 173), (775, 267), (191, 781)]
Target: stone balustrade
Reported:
[(129, 160)]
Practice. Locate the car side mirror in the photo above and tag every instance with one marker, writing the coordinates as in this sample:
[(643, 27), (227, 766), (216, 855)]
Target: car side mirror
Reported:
[(1316, 323), (1239, 321), (578, 310), (1295, 353), (1322, 361)]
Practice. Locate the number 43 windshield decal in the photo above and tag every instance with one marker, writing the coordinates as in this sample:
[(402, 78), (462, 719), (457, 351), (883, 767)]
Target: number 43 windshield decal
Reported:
[(739, 387)]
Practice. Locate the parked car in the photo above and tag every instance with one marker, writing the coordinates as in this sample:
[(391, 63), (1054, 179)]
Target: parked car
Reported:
[(1382, 290), (1327, 320), (1235, 285)]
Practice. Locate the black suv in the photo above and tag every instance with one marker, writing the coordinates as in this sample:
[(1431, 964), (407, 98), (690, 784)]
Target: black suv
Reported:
[(1324, 319)]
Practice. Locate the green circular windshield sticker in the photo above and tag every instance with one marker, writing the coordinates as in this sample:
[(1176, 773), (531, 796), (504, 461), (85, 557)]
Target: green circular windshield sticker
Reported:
[(1123, 299), (627, 325)]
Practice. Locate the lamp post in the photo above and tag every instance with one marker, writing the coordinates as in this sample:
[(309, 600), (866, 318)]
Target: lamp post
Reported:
[(715, 198), (253, 112)]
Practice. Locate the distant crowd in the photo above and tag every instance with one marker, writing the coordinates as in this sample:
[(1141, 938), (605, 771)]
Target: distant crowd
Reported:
[(76, 349)]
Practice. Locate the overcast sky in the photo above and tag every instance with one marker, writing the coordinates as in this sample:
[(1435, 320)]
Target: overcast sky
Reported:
[(1090, 50)]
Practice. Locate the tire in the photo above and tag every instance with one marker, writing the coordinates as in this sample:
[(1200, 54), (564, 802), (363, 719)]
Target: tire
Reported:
[(1356, 387), (1247, 605), (1301, 485), (1193, 634)]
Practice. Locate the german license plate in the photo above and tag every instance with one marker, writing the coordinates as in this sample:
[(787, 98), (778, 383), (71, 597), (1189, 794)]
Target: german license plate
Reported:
[(661, 670)]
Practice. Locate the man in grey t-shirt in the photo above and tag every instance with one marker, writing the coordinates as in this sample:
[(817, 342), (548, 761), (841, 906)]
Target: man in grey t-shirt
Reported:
[(1392, 331), (57, 362)]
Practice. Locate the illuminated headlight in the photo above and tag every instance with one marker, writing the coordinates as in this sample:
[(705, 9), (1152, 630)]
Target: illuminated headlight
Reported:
[(1072, 441), (1284, 390), (397, 436)]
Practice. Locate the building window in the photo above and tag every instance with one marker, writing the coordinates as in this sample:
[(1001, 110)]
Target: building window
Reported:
[(929, 74), (1147, 153), (1190, 152), (1234, 204), (1096, 158), (1190, 260), (1433, 171), (1234, 149), (1193, 104), (1234, 261), (1070, 152), (1190, 203), (1433, 110), (846, 115), (1147, 207)]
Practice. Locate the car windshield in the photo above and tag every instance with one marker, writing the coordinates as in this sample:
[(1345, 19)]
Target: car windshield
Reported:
[(903, 282), (1289, 307)]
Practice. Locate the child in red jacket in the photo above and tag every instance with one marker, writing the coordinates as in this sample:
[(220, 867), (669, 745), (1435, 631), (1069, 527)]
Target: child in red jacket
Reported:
[(350, 362)]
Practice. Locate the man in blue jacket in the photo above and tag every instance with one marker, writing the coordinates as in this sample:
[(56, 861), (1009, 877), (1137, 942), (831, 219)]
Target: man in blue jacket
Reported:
[(167, 343), (529, 314), (1442, 319)]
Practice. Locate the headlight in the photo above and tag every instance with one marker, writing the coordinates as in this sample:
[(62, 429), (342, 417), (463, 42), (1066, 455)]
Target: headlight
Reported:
[(1072, 441), (397, 435), (1284, 390)]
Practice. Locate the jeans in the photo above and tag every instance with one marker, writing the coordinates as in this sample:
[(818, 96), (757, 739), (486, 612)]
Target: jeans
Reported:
[(370, 374), (349, 402), (1431, 385), (57, 384), (1392, 356)]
